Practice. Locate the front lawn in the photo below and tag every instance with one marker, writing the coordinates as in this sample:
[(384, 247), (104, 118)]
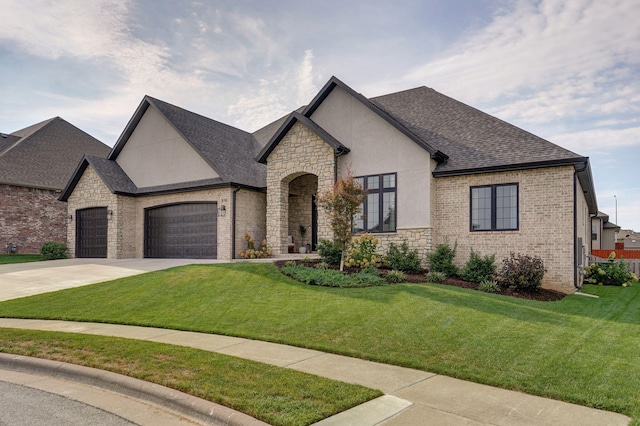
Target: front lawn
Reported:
[(579, 349), (276, 395), (19, 258)]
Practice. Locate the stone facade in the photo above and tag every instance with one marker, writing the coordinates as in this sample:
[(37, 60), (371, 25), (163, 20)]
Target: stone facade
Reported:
[(29, 217), (545, 220), (251, 218), (92, 192), (419, 239), (300, 152), (126, 224)]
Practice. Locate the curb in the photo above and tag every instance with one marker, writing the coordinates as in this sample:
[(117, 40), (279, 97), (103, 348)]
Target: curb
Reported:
[(185, 404)]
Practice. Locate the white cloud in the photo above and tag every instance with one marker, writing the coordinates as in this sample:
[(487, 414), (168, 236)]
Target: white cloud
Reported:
[(598, 140), (276, 96), (545, 61)]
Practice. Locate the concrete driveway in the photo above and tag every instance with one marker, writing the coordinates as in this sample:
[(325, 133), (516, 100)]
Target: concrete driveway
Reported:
[(26, 279)]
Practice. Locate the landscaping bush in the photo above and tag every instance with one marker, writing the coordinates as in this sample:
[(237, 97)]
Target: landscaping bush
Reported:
[(522, 272), (362, 252), (435, 277), (330, 277), (489, 286), (479, 268), (609, 273), (441, 260), (403, 259), (395, 276), (51, 250), (329, 252), (252, 252)]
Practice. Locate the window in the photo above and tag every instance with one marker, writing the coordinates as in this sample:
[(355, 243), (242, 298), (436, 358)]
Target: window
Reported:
[(379, 211), (494, 207)]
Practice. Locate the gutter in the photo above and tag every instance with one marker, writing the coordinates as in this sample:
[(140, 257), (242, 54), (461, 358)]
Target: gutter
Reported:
[(575, 223)]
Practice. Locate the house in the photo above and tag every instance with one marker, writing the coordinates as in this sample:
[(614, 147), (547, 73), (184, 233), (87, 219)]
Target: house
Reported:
[(436, 170), (603, 232), (35, 165), (629, 238)]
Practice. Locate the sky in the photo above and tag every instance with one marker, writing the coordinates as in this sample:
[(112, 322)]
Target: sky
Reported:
[(567, 71)]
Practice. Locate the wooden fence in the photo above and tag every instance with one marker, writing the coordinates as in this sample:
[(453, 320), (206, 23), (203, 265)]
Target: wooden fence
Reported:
[(631, 257)]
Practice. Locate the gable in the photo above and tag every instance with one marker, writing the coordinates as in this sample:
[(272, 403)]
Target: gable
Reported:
[(156, 154), (376, 145)]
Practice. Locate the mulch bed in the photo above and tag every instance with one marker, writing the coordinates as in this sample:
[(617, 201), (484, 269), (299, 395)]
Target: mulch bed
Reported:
[(540, 294)]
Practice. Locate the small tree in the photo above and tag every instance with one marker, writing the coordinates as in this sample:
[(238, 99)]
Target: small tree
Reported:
[(342, 203)]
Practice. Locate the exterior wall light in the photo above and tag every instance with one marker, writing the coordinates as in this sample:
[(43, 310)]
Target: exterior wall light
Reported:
[(222, 211)]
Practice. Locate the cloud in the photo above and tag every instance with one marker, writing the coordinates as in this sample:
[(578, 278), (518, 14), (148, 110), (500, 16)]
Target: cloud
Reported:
[(598, 140), (276, 96), (537, 62)]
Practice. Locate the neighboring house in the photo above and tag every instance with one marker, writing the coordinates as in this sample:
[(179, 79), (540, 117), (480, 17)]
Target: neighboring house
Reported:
[(603, 232), (35, 165), (178, 184), (630, 238)]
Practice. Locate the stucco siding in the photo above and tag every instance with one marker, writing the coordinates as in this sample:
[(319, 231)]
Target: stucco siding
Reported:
[(378, 147), (156, 154), (545, 220)]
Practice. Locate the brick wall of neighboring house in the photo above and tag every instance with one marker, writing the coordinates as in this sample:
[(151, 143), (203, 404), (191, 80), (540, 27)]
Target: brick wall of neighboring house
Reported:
[(545, 220), (299, 152), (29, 217)]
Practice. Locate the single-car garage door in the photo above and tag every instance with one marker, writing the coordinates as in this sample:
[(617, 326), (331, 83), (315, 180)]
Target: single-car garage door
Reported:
[(91, 232), (181, 231)]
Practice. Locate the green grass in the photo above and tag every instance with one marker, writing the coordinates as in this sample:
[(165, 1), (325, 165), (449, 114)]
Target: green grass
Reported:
[(19, 258), (273, 394), (580, 349)]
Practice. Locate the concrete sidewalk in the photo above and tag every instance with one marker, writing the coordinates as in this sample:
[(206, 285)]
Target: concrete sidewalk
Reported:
[(412, 397)]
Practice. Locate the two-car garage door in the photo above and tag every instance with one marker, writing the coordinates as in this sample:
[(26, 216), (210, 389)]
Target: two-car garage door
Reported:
[(187, 230), (181, 231)]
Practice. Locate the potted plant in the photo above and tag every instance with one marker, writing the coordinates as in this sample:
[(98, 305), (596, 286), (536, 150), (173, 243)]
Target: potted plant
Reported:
[(303, 231)]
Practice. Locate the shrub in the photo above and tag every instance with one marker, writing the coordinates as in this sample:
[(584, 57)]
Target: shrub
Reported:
[(255, 253), (479, 268), (522, 272), (609, 273), (51, 250), (362, 252), (329, 252), (441, 260), (371, 270), (330, 277), (435, 277), (403, 259), (322, 265), (489, 286), (395, 276)]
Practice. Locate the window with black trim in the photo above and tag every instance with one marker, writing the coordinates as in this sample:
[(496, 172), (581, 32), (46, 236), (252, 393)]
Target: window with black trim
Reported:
[(379, 211), (494, 207)]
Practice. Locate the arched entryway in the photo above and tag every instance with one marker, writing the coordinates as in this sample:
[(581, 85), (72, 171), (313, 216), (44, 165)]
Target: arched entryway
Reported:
[(302, 223)]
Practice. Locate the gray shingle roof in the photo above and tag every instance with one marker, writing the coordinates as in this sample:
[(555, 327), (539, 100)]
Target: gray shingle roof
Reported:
[(45, 154), (472, 139), (228, 150)]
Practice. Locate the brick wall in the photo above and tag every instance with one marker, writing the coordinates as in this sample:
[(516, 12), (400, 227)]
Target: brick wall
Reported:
[(29, 217), (545, 220), (126, 225)]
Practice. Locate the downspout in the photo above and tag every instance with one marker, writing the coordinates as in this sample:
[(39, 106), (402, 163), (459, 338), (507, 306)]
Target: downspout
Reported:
[(233, 222), (575, 224)]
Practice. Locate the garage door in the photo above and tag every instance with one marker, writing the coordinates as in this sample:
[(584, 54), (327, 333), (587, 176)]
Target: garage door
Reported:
[(91, 232), (185, 231)]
